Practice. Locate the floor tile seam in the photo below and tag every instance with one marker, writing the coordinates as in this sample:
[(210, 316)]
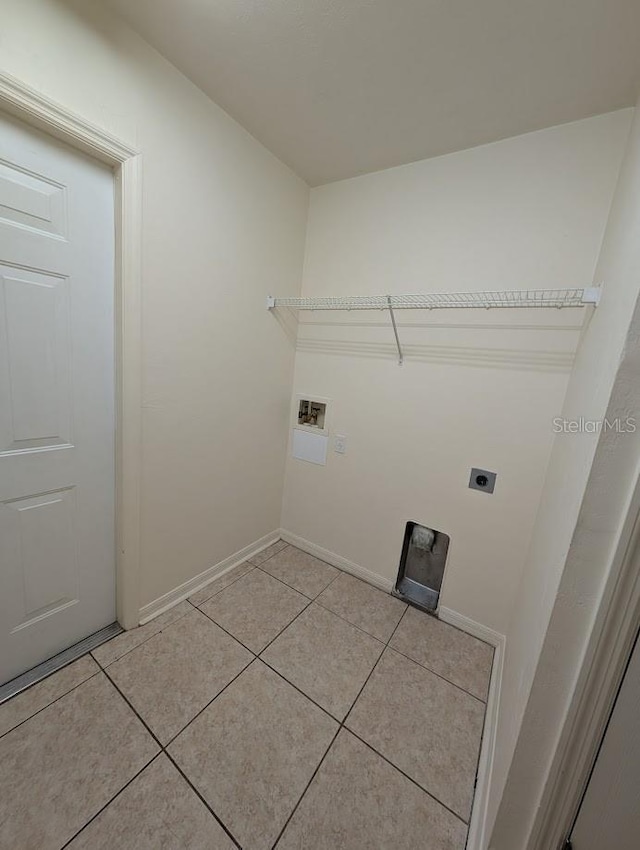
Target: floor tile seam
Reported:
[(364, 685), (439, 675), (253, 660), (203, 800), (435, 616), (111, 800), (477, 771), (252, 651), (134, 710), (339, 572), (53, 701), (344, 725), (344, 572), (142, 643), (306, 788), (227, 632), (413, 781), (249, 561), (341, 725), (344, 619), (209, 703), (310, 601), (397, 626), (300, 691), (284, 628), (217, 578), (267, 573)]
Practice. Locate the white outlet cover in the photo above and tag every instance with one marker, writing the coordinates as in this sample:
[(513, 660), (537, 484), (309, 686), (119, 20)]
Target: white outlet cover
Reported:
[(340, 444)]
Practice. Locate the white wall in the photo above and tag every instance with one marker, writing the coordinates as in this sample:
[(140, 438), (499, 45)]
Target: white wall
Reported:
[(224, 224), (575, 535), (475, 390)]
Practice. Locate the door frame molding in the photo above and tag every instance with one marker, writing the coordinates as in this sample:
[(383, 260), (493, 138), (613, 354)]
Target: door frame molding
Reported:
[(45, 114), (604, 663)]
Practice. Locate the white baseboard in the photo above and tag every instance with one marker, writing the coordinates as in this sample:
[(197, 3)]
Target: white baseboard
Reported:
[(178, 594), (478, 838), (337, 561)]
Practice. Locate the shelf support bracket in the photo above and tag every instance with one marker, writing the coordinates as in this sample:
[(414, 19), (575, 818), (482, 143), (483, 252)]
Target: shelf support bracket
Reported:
[(591, 295), (395, 331)]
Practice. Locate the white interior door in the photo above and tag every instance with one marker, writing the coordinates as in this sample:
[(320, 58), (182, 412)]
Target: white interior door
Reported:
[(609, 816), (57, 471)]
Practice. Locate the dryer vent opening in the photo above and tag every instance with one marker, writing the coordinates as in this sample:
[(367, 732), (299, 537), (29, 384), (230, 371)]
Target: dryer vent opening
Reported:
[(424, 554)]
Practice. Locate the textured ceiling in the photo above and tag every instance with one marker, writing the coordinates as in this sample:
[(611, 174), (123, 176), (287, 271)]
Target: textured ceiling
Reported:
[(342, 87)]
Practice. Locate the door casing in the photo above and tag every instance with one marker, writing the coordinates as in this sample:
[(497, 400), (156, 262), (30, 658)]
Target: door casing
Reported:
[(39, 111), (604, 663)]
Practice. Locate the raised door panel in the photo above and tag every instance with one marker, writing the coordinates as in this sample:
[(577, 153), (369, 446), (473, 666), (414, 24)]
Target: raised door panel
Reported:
[(31, 201), (39, 555), (35, 392)]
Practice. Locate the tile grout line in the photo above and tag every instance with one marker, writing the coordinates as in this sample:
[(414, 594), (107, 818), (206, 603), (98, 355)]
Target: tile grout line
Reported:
[(214, 580), (435, 616), (306, 787), (406, 776), (475, 778), (385, 646), (311, 601), (316, 598), (257, 566), (341, 724), (142, 643), (222, 628), (163, 747), (439, 675), (53, 701), (310, 598), (134, 710), (339, 572), (299, 614), (211, 701), (339, 729), (201, 798), (373, 749), (355, 625), (296, 688), (111, 800)]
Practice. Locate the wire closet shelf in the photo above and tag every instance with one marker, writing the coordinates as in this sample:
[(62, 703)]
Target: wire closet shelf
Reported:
[(577, 297), (504, 298)]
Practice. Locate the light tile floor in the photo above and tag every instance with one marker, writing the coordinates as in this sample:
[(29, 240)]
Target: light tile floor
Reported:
[(285, 705)]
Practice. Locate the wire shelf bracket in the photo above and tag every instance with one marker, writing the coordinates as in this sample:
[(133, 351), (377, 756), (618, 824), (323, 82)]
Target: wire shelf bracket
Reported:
[(506, 298)]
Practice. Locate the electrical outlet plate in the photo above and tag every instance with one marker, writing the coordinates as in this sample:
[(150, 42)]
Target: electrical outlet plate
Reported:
[(340, 444), (483, 480)]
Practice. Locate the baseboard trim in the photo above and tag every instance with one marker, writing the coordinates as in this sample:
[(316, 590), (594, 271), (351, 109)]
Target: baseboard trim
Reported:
[(337, 560), (478, 838), (188, 588)]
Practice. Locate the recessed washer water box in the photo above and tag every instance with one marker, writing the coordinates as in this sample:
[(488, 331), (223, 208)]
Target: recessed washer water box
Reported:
[(424, 555)]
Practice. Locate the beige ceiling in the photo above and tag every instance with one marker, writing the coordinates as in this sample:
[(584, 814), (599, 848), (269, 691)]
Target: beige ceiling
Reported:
[(341, 87)]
